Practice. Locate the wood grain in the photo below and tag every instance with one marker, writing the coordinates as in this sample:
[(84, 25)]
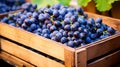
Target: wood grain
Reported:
[(13, 60), (88, 7), (34, 41), (115, 10), (28, 55), (107, 61), (11, 12), (103, 47), (81, 58), (0, 44), (69, 58)]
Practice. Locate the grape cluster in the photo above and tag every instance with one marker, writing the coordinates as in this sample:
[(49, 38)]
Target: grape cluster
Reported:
[(10, 5), (68, 25)]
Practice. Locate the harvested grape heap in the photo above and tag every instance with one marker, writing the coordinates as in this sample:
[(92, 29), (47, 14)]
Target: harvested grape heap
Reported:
[(10, 5), (68, 25)]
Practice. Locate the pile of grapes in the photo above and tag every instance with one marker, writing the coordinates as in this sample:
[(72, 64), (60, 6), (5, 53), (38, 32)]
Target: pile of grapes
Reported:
[(68, 25), (10, 5)]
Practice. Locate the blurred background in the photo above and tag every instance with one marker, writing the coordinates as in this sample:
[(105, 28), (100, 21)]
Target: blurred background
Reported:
[(109, 8)]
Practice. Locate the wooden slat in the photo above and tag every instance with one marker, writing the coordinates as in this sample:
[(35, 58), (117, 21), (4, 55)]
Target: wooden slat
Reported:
[(115, 23), (117, 65), (13, 60), (29, 39), (97, 49), (11, 12), (107, 61), (0, 44), (90, 7), (103, 47), (81, 58), (28, 55), (69, 58)]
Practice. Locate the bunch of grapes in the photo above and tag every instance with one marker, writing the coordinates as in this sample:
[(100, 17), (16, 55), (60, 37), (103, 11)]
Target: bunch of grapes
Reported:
[(68, 25), (10, 5)]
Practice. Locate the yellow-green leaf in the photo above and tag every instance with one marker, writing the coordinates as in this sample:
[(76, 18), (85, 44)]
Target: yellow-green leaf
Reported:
[(64, 2), (83, 2), (104, 5), (43, 3)]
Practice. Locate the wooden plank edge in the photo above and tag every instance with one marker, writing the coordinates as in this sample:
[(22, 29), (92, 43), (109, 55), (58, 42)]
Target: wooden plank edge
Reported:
[(103, 47), (28, 56), (104, 40), (107, 61), (13, 60), (50, 48), (81, 58), (0, 44), (95, 44), (11, 12), (69, 58), (99, 41)]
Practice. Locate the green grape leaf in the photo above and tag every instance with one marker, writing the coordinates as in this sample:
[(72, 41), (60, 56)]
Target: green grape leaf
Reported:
[(104, 5), (83, 2), (37, 2), (43, 3), (64, 2)]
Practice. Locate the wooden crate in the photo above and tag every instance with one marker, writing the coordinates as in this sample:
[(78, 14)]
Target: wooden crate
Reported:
[(35, 50)]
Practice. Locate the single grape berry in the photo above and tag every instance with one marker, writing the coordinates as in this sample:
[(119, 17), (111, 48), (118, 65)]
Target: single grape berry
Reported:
[(82, 21), (46, 31), (46, 16), (71, 43), (55, 13), (99, 20), (70, 34), (91, 22), (57, 23), (67, 20), (111, 30), (67, 27), (80, 11), (33, 26), (53, 28), (58, 36), (82, 35), (64, 39), (74, 27), (46, 36), (65, 33), (24, 26), (5, 20), (41, 17), (76, 34)]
